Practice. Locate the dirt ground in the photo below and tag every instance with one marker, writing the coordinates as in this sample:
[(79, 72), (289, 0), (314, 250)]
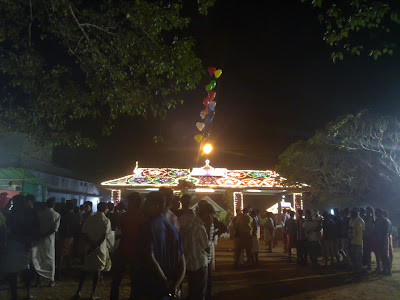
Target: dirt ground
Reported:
[(272, 278)]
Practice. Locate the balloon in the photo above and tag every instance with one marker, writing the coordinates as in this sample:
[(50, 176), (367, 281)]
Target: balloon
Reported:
[(209, 87), (218, 73), (198, 138), (200, 126), (210, 109), (203, 114), (212, 94), (209, 119), (206, 100), (213, 84), (212, 104), (211, 70)]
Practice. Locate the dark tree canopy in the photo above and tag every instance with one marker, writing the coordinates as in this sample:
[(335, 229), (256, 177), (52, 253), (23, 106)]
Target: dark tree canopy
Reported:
[(359, 26), (69, 63)]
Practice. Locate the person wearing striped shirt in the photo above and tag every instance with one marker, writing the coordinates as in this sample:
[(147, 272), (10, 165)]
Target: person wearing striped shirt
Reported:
[(196, 245)]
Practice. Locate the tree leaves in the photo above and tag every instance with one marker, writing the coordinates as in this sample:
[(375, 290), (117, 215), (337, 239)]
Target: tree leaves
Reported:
[(363, 25), (91, 63)]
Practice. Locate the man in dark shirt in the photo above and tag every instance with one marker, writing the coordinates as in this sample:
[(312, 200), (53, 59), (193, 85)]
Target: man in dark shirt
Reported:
[(329, 239), (382, 228), (69, 230), (301, 239), (388, 245), (125, 256), (113, 216), (88, 211), (161, 263), (291, 231)]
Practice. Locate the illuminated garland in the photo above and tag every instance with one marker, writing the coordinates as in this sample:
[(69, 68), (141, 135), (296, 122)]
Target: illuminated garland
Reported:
[(171, 177)]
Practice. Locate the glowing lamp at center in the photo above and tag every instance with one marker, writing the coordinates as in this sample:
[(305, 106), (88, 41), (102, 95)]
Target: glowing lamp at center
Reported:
[(207, 148)]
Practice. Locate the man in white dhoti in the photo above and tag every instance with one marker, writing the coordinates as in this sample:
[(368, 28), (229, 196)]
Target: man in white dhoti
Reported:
[(43, 250), (97, 259)]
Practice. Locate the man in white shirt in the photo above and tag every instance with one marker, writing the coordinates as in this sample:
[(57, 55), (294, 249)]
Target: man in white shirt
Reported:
[(196, 245), (43, 250), (97, 259)]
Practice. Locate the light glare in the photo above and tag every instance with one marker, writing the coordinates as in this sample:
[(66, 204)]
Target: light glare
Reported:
[(207, 148)]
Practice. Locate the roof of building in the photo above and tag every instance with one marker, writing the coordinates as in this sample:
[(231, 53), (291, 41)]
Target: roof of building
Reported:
[(206, 176), (13, 176), (215, 205)]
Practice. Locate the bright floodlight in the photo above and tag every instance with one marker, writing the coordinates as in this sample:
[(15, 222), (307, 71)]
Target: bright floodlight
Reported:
[(207, 148)]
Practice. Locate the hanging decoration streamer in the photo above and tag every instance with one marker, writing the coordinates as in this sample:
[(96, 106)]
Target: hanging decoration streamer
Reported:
[(209, 102)]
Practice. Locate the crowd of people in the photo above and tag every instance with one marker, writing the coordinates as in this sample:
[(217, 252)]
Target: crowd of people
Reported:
[(161, 240), (154, 240), (346, 237)]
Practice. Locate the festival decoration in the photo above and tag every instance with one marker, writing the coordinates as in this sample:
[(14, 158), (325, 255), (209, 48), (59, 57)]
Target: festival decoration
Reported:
[(209, 119), (212, 94), (213, 84), (198, 138), (150, 177), (218, 73), (209, 102), (211, 70), (178, 173), (206, 100), (200, 126)]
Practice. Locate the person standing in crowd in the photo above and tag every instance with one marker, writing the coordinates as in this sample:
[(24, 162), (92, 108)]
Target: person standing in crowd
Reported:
[(185, 213), (76, 209), (284, 217), (88, 211), (329, 239), (67, 233), (356, 242), (388, 246), (346, 226), (341, 234), (291, 230), (125, 255), (244, 230), (112, 215), (269, 229), (369, 239), (382, 239), (301, 239), (219, 229), (23, 229), (312, 232), (169, 215), (4, 201), (95, 228), (209, 224), (43, 251), (196, 245), (161, 262), (254, 238)]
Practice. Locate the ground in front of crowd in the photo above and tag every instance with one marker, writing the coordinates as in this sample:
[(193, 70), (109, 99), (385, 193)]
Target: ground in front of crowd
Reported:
[(272, 278)]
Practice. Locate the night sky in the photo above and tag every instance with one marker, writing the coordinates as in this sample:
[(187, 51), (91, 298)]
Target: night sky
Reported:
[(278, 86)]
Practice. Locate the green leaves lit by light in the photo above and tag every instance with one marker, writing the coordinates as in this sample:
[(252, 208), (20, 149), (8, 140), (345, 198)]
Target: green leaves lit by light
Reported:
[(358, 27)]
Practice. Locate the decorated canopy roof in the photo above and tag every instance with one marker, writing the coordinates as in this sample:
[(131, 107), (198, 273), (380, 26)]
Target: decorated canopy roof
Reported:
[(200, 177)]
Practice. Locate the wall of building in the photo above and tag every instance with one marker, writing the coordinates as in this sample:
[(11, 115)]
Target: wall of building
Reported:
[(17, 151)]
